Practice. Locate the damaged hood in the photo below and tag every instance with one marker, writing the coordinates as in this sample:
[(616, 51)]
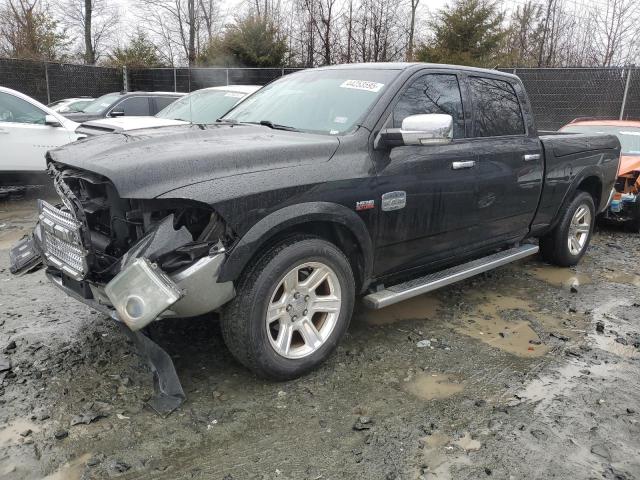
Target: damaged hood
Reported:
[(149, 162), (628, 164)]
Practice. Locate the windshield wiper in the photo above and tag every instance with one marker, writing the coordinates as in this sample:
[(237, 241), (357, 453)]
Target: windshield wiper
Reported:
[(276, 126)]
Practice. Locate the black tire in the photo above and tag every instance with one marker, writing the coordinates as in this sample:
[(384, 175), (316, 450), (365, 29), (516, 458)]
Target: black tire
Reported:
[(554, 246), (243, 319)]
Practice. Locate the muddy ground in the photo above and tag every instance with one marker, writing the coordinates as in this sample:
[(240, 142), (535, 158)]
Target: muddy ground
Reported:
[(503, 376)]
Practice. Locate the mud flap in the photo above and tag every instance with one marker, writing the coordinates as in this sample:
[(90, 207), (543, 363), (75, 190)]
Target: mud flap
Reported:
[(168, 393)]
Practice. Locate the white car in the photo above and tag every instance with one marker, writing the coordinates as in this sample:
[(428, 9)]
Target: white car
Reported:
[(202, 106), (67, 105), (27, 130)]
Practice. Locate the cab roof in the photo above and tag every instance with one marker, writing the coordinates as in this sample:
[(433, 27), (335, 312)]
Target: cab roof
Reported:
[(412, 65)]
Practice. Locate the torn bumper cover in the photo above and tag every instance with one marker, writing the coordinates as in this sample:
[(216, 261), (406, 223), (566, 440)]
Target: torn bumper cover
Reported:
[(141, 292), (138, 294)]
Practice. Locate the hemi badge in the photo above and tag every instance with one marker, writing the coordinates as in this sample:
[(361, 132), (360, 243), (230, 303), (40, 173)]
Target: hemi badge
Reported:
[(365, 205)]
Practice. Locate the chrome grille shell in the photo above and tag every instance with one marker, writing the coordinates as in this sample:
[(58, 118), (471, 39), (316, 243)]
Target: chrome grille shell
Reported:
[(62, 240)]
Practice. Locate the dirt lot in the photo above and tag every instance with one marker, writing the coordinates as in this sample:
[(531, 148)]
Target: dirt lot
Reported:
[(526, 372)]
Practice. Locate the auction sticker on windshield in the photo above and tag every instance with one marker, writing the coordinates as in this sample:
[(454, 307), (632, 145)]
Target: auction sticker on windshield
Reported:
[(362, 85)]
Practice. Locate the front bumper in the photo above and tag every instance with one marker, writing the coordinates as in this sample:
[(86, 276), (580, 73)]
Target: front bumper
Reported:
[(137, 296)]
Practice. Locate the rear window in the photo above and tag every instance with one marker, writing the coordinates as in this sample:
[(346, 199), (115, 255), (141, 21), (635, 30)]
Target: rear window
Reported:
[(496, 109), (100, 104)]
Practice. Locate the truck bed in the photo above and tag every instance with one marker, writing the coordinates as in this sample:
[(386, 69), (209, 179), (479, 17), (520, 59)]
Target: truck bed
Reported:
[(568, 157)]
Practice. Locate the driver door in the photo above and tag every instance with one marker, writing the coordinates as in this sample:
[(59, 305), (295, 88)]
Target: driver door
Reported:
[(438, 182)]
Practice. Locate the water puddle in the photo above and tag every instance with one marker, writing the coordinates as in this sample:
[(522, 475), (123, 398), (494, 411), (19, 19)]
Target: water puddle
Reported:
[(561, 277), (562, 380), (624, 278), (72, 470), (606, 341), (440, 455), (422, 307), (434, 386), (467, 443), (436, 440), (609, 344), (487, 323), (10, 434)]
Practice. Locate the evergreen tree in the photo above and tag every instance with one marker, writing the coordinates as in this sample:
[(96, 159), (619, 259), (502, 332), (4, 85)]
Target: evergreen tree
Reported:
[(252, 42), (140, 52), (470, 32)]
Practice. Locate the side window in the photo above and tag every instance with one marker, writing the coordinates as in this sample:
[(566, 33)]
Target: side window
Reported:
[(496, 109), (432, 93), (16, 110), (135, 106), (164, 101)]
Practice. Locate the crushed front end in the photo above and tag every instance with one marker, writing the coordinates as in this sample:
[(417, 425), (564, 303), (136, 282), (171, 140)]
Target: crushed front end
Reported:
[(138, 260), (135, 260)]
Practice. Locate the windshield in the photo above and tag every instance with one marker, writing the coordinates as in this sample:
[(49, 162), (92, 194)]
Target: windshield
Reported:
[(203, 106), (629, 136), (320, 101), (100, 104)]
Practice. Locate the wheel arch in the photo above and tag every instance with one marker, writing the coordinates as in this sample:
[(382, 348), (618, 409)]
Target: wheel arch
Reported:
[(330, 221), (592, 184), (588, 180)]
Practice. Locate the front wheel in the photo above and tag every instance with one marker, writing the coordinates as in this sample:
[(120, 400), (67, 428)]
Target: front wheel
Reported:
[(291, 308), (568, 241)]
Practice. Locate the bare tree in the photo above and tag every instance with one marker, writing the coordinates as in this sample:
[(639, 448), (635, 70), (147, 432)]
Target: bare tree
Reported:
[(98, 21), (177, 25), (27, 30), (617, 22), (412, 28)]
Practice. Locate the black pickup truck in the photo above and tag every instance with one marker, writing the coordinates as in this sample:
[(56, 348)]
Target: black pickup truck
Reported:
[(379, 180)]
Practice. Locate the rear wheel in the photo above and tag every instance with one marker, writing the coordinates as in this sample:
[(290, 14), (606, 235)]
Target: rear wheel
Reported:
[(568, 241), (291, 308)]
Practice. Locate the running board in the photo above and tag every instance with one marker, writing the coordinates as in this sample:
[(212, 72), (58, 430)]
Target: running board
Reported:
[(433, 281)]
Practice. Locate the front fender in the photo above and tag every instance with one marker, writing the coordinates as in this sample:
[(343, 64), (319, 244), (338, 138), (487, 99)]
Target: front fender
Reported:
[(288, 217)]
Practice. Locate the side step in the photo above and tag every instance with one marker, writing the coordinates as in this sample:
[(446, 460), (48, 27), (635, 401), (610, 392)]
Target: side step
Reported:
[(433, 281)]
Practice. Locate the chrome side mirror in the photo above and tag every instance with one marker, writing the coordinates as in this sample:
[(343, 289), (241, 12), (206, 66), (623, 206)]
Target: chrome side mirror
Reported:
[(427, 129), (51, 121), (424, 129)]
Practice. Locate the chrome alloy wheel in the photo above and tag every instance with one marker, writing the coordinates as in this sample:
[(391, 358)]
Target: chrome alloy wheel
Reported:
[(579, 229), (303, 310)]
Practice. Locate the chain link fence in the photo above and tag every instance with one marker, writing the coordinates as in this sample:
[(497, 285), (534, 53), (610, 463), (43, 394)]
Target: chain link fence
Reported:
[(48, 82), (558, 95), (189, 79)]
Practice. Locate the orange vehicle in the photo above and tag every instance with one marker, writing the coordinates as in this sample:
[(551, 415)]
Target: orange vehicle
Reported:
[(625, 205)]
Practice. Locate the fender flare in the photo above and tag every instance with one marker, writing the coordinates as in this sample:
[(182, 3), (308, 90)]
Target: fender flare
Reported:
[(591, 171), (276, 222)]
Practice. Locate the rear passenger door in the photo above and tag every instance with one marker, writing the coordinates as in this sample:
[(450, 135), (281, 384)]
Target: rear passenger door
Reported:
[(510, 159), (437, 218)]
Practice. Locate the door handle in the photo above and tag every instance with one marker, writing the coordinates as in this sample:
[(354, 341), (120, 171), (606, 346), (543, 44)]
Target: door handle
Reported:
[(461, 165), (531, 156)]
